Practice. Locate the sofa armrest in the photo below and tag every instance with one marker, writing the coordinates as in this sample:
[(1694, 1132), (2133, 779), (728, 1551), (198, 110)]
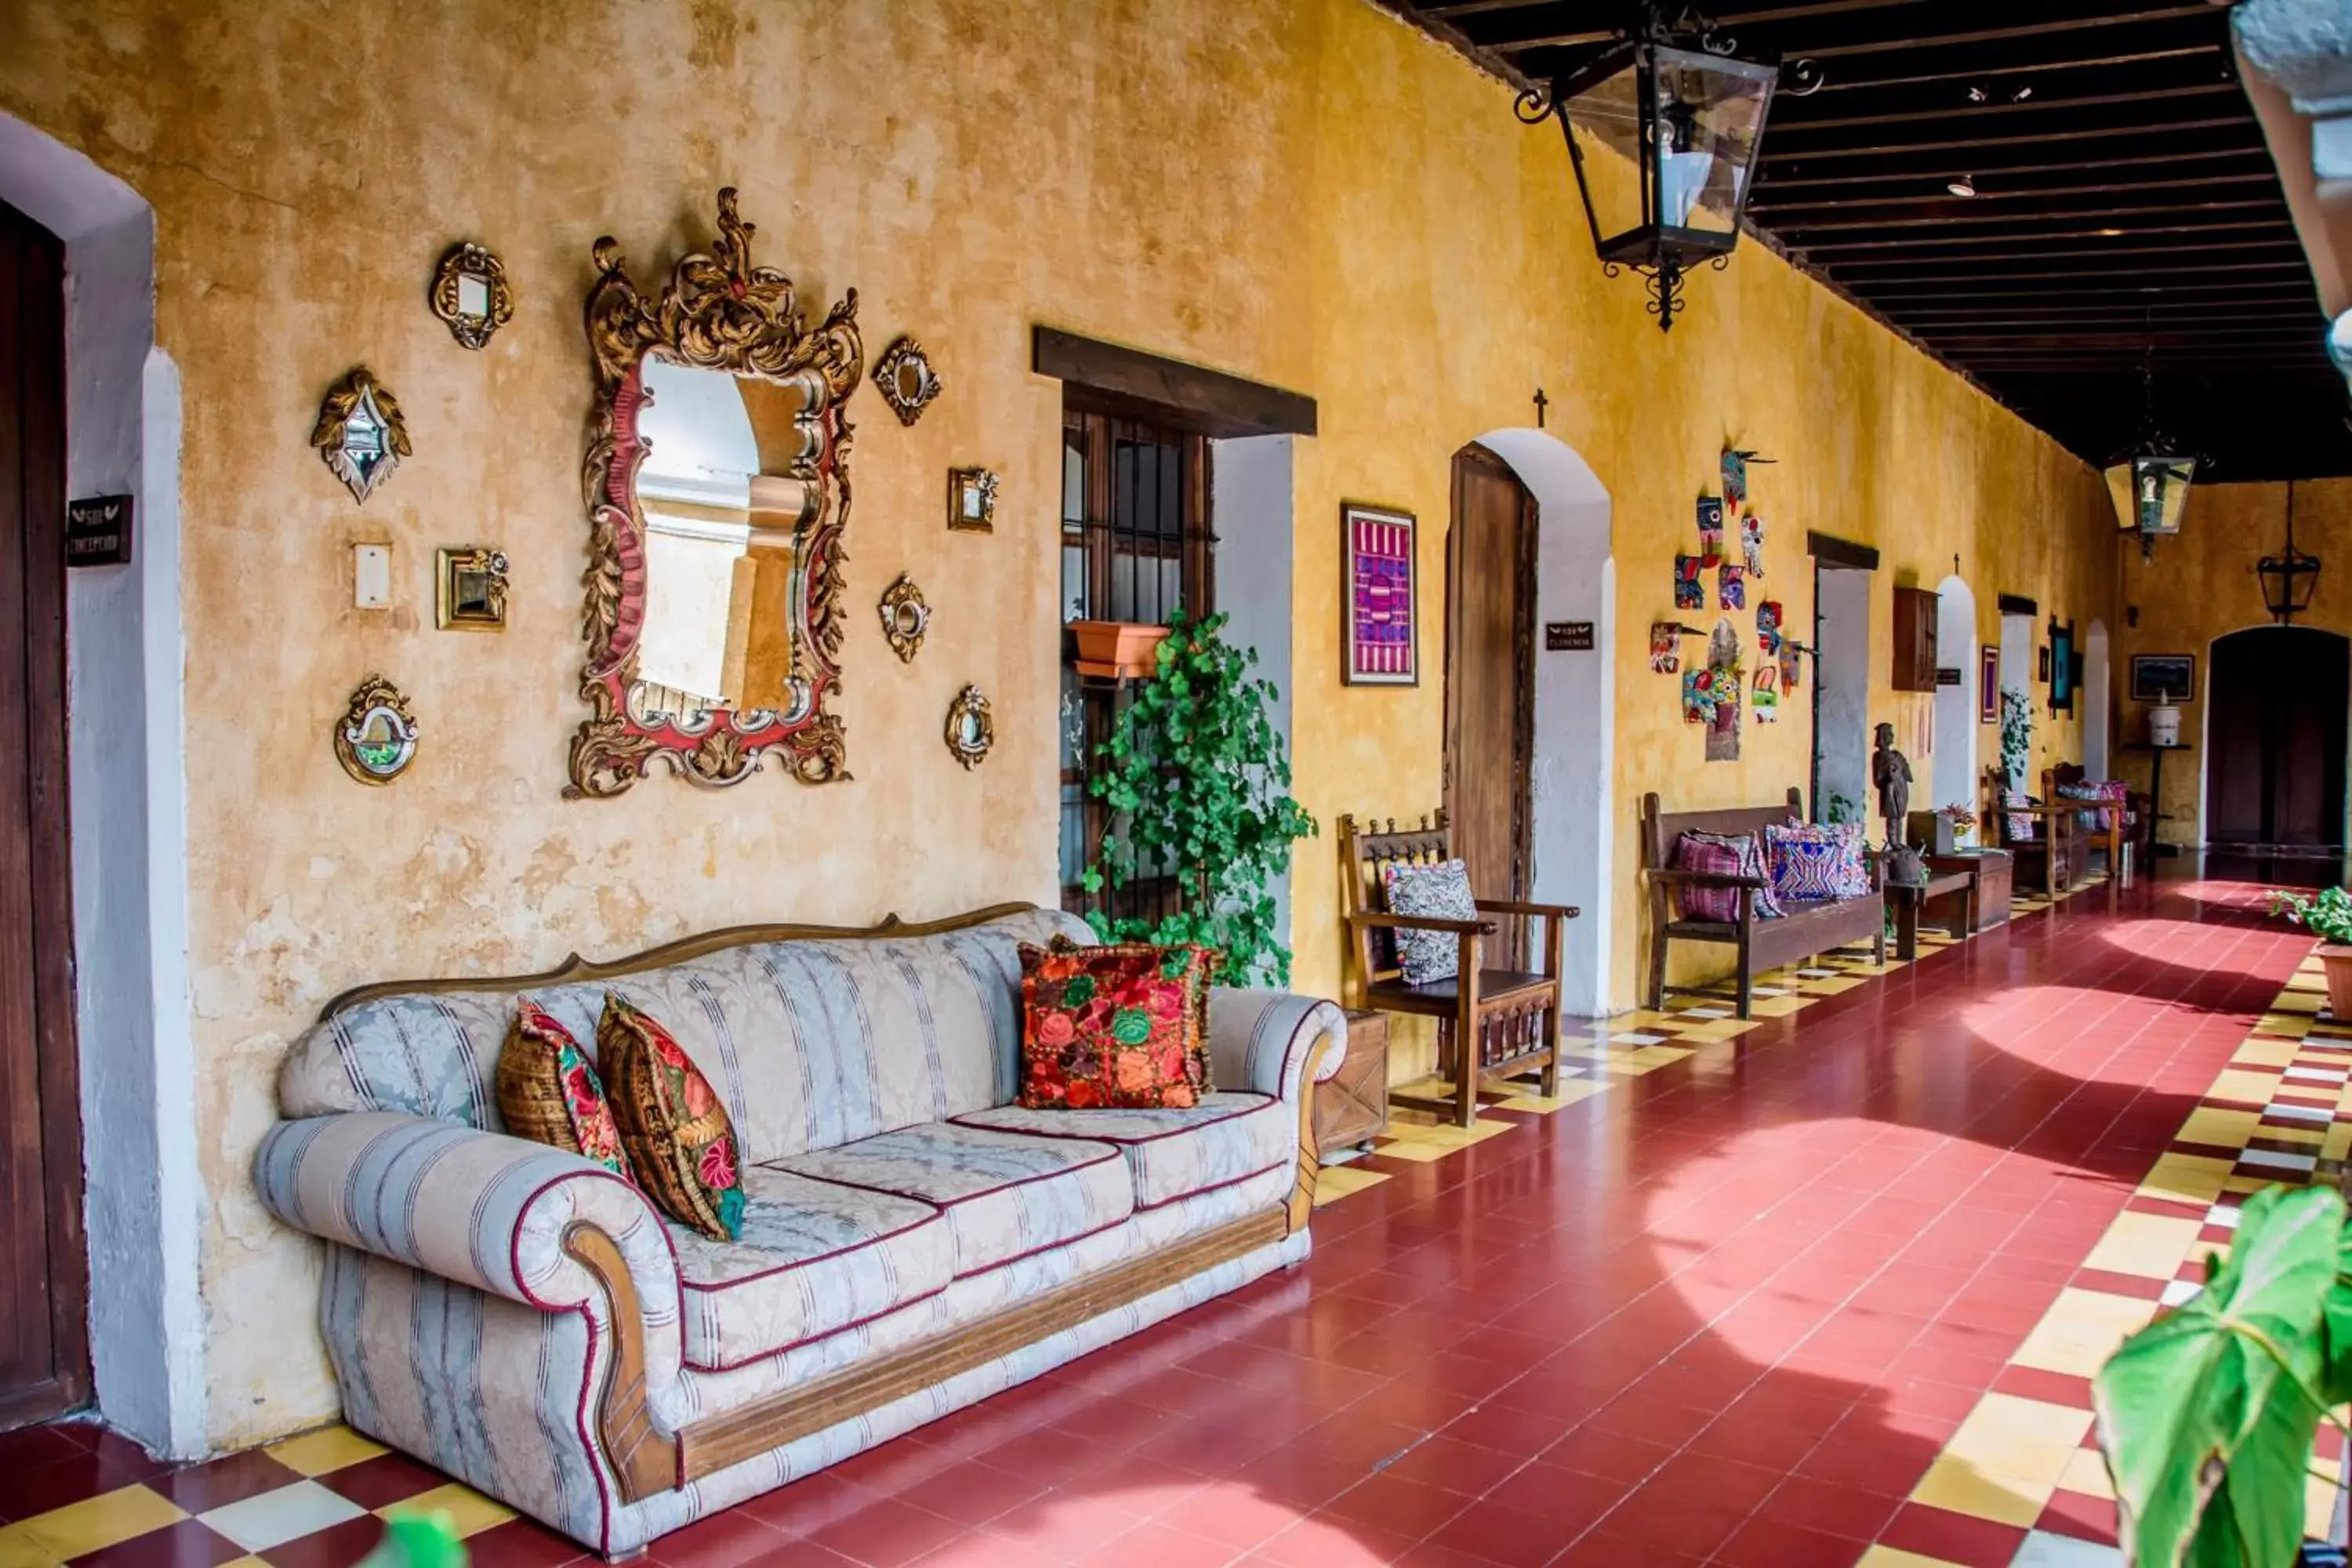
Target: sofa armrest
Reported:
[(1260, 1040), (480, 1208)]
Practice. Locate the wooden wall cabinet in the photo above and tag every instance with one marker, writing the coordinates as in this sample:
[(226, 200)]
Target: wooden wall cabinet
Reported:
[(1915, 640)]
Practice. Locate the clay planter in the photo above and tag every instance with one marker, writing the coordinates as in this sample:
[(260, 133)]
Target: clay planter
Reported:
[(1120, 650), (2338, 960)]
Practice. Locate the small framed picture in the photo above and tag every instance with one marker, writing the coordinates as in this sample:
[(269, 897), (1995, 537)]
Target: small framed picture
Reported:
[(2163, 677), (469, 591), (1378, 603), (971, 500), (1988, 687)]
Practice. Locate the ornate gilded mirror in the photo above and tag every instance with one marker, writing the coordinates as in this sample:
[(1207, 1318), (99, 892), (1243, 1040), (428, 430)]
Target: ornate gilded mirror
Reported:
[(718, 487), (470, 294), (375, 740), (906, 379), (905, 618), (971, 729), (360, 433)]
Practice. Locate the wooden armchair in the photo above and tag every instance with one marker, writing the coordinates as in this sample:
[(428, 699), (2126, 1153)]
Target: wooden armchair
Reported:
[(2115, 835), (2055, 857), (1492, 1022)]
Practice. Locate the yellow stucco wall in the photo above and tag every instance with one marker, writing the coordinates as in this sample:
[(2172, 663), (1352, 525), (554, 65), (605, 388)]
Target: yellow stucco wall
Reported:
[(1301, 190), (2201, 586)]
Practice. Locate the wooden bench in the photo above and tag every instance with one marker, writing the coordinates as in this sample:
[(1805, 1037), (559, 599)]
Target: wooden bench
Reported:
[(1807, 927), (2114, 836), (2054, 857), (1492, 1021)]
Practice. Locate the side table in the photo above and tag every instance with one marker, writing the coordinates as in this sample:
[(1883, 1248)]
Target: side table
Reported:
[(1352, 1105), (1909, 901), (1994, 873)]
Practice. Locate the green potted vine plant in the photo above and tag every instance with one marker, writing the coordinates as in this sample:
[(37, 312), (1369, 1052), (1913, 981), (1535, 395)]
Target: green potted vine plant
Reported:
[(2327, 916), (2016, 736), (2207, 1417), (1199, 783)]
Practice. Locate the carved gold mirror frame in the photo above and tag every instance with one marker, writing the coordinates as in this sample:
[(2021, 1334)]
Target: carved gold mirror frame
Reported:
[(717, 313)]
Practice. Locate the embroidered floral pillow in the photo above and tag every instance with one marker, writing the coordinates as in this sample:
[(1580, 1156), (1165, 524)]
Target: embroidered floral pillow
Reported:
[(1117, 1026), (548, 1091), (1810, 863), (1437, 892), (680, 1142)]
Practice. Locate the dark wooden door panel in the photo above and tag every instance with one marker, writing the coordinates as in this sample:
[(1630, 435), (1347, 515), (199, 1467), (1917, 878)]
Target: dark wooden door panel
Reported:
[(2276, 738), (44, 1357), (1489, 654)]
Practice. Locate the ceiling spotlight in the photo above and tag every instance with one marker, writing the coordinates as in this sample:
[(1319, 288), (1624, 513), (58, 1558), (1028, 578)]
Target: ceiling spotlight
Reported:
[(2109, 233), (2021, 95), (1977, 95), (1966, 186)]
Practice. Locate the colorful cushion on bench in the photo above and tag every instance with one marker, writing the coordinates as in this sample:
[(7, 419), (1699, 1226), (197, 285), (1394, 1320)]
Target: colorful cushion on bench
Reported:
[(1816, 861), (1435, 892), (1723, 855), (548, 1091), (2020, 828)]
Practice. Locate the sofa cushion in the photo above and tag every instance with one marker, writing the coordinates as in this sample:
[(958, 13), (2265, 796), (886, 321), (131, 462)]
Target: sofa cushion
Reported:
[(1171, 1153), (813, 1258), (1004, 1196), (681, 1146), (548, 1091), (1117, 1025)]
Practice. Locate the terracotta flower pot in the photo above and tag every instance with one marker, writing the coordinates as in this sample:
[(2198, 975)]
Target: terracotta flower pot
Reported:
[(2338, 960), (1118, 649)]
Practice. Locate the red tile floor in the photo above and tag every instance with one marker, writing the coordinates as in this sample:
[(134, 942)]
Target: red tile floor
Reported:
[(1729, 1311)]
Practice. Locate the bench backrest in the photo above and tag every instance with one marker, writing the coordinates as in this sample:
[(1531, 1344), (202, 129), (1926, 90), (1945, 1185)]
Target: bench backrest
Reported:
[(810, 1036), (1660, 827)]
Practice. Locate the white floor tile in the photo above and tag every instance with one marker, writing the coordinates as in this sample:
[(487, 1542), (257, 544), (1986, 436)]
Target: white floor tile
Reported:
[(276, 1518)]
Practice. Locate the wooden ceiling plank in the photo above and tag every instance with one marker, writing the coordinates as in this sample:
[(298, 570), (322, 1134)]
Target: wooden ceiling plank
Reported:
[(1757, 204), (1772, 149)]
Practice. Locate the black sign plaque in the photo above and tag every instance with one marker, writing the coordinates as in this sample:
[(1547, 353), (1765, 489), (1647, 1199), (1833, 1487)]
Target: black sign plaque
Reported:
[(98, 532), (1573, 637)]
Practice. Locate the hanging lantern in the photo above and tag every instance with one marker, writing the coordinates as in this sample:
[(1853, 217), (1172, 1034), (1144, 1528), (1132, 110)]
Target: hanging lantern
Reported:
[(2288, 580), (1686, 123), (2149, 484)]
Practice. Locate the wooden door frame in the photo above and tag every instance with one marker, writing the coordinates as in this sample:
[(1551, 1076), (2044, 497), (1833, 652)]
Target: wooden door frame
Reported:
[(1522, 658), (34, 336)]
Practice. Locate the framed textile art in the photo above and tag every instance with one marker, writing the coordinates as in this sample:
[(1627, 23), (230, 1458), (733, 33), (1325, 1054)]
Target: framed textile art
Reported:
[(1381, 610), (1988, 686)]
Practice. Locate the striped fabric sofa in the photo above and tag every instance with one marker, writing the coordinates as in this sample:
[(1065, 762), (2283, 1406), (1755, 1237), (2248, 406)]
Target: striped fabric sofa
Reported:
[(912, 1242)]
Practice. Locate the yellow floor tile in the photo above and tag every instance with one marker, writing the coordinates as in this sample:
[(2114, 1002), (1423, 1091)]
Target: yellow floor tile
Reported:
[(2250, 1183), (2340, 1141), (1336, 1182), (2147, 1245), (2294, 1001), (1423, 1144), (2222, 1129), (100, 1521), (1958, 1487), (469, 1512), (18, 1552), (2240, 1088), (2186, 1178), (2294, 1024), (1893, 1557), (328, 1449), (2266, 1053), (247, 1562), (1778, 1006), (1828, 988), (2314, 1136), (2087, 1473), (1717, 1032), (2079, 1333), (1571, 1092)]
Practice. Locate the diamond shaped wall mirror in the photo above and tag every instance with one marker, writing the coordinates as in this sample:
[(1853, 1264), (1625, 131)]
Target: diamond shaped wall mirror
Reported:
[(360, 433)]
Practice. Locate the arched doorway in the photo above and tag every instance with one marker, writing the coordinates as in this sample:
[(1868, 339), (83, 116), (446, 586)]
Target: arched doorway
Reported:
[(2017, 677), (2275, 739), (2098, 723), (1571, 792), (1952, 765)]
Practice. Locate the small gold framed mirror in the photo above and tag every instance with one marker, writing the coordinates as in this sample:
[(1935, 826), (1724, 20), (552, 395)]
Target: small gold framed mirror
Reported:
[(971, 500), (908, 382), (360, 433), (905, 618), (469, 590), (375, 740), (970, 730), (471, 293)]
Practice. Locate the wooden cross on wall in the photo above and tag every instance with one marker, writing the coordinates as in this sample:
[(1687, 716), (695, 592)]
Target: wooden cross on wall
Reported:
[(1542, 402)]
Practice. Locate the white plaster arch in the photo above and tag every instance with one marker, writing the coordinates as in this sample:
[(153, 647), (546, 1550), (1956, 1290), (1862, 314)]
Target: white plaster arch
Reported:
[(1952, 770), (2098, 704), (1574, 783), (125, 661)]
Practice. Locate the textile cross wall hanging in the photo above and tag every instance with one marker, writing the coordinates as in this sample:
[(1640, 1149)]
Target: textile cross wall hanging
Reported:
[(1690, 594), (1379, 603), (1710, 532)]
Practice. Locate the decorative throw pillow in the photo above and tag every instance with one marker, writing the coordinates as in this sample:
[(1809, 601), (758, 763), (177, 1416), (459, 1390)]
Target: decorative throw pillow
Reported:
[(1815, 861), (2023, 827), (548, 1091), (680, 1142), (1747, 861), (1113, 1027), (2089, 818), (1438, 892)]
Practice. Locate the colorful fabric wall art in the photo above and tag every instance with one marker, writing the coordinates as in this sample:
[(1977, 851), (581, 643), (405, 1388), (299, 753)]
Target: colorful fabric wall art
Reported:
[(1690, 594), (1723, 687), (1381, 609), (1751, 543), (1767, 625), (1731, 587), (1710, 532), (1768, 693), (1665, 648)]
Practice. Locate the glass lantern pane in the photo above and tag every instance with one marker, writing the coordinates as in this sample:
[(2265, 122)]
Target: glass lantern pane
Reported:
[(1710, 126), (1605, 123), (2160, 491)]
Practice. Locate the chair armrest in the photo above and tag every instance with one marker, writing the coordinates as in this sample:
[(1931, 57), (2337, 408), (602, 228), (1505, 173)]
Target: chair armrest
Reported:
[(1425, 922), (1517, 907), (1260, 1040), (1674, 878), (480, 1208)]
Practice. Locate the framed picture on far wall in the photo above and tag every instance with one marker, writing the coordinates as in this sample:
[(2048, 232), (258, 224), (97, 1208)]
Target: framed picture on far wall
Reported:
[(1381, 608), (1988, 686), (2163, 677)]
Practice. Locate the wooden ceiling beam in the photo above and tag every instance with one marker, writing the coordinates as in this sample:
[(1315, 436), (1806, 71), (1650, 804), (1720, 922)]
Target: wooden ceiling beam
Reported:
[(1990, 194), (1787, 232), (2166, 240), (2251, 153), (2136, 129)]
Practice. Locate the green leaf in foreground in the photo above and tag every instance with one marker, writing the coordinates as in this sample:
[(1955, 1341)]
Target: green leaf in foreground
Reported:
[(2206, 1416)]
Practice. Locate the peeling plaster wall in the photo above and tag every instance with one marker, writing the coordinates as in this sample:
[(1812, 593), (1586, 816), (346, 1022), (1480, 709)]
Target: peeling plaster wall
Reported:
[(1301, 190)]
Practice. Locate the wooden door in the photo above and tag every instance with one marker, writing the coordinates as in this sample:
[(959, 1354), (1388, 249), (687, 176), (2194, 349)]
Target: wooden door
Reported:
[(43, 1347), (1490, 618), (2274, 737)]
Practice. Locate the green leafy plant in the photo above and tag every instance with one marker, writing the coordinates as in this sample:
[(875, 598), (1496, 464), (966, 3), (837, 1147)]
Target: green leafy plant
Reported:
[(2327, 915), (2016, 736), (1198, 781), (1841, 810), (2207, 1416)]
